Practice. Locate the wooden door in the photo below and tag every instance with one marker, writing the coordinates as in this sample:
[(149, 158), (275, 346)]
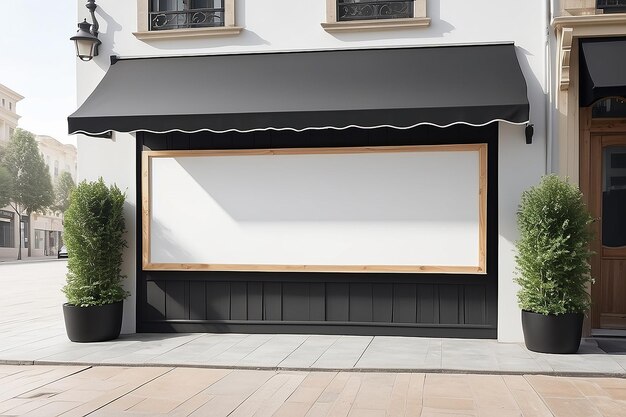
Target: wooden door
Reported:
[(607, 202)]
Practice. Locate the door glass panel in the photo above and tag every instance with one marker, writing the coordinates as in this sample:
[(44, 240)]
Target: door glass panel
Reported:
[(614, 196), (613, 107)]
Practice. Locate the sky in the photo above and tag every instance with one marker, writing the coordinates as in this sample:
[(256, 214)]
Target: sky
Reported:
[(37, 61)]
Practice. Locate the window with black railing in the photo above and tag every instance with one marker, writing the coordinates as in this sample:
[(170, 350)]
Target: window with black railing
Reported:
[(611, 6), (184, 14), (373, 9)]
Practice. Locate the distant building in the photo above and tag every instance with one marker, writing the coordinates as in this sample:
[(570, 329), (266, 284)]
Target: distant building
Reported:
[(8, 112), (59, 157), (47, 228), (8, 123)]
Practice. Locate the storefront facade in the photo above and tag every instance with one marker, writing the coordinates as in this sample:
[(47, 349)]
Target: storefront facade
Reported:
[(590, 139), (358, 133)]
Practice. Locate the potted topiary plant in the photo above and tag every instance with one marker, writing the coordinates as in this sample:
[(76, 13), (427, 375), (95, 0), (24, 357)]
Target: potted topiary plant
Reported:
[(553, 265), (94, 236)]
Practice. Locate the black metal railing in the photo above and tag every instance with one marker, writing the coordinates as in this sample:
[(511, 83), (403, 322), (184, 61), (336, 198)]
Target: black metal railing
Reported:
[(189, 18), (611, 6), (373, 9)]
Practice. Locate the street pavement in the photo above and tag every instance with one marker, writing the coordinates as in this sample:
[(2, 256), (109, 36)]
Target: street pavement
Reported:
[(42, 373)]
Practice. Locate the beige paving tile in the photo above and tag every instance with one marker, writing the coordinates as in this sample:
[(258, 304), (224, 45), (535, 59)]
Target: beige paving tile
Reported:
[(132, 379), (616, 393), (27, 406), (121, 404), (220, 405), (362, 412), (32, 378), (527, 400), (449, 404), (375, 392), (293, 409), (268, 398), (11, 403), (312, 387), (343, 403), (53, 408), (188, 382), (319, 410), (240, 382), (610, 382), (334, 388), (398, 397), (498, 412), (154, 406), (491, 392), (415, 394), (608, 407), (571, 407), (589, 387), (550, 386), (191, 405), (443, 385), (430, 413)]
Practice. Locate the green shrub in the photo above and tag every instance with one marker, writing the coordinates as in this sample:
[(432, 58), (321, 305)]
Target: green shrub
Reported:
[(553, 250), (94, 236)]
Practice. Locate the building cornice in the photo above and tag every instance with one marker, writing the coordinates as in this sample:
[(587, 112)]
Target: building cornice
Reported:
[(600, 20), (9, 114), (12, 94), (569, 28)]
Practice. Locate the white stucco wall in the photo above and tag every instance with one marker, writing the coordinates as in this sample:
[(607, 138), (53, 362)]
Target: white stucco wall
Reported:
[(284, 25)]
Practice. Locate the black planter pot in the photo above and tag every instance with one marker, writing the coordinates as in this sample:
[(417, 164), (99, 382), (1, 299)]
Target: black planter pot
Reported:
[(94, 323), (552, 333)]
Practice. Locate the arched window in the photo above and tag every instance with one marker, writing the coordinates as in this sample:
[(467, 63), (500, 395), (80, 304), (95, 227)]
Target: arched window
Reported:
[(609, 108)]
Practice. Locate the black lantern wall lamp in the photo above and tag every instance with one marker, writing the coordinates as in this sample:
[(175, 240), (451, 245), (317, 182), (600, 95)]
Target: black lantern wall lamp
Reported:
[(86, 38)]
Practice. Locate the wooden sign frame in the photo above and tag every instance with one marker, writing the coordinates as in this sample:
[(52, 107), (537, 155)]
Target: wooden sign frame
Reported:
[(480, 148)]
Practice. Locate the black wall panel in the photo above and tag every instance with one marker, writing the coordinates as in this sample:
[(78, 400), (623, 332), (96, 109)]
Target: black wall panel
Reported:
[(453, 305)]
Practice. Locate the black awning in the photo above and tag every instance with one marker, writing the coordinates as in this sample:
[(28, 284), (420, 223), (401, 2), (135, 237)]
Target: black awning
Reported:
[(398, 88), (602, 69)]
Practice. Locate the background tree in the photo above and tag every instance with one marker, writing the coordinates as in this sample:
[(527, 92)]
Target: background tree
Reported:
[(6, 186), (62, 189), (32, 188)]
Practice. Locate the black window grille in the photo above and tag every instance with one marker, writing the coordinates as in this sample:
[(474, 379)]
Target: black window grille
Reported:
[(373, 9), (611, 6), (183, 14)]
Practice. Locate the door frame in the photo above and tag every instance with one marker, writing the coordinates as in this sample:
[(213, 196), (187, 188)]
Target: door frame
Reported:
[(588, 128)]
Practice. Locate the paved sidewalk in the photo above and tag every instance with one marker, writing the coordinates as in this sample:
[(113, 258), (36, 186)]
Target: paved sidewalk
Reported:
[(26, 259), (31, 324), (118, 391)]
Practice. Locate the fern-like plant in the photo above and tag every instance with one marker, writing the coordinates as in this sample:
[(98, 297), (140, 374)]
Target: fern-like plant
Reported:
[(553, 249), (94, 236)]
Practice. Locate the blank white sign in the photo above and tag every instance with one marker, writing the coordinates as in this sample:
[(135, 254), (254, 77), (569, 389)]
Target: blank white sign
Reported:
[(410, 209)]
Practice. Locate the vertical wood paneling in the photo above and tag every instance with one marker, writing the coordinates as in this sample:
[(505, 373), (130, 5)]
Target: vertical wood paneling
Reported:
[(361, 302), (613, 281), (175, 300), (197, 300), (449, 304), (238, 301), (317, 301), (296, 301), (382, 303), (337, 301), (255, 301), (427, 304), (272, 301), (217, 301), (155, 300), (404, 305), (475, 304)]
